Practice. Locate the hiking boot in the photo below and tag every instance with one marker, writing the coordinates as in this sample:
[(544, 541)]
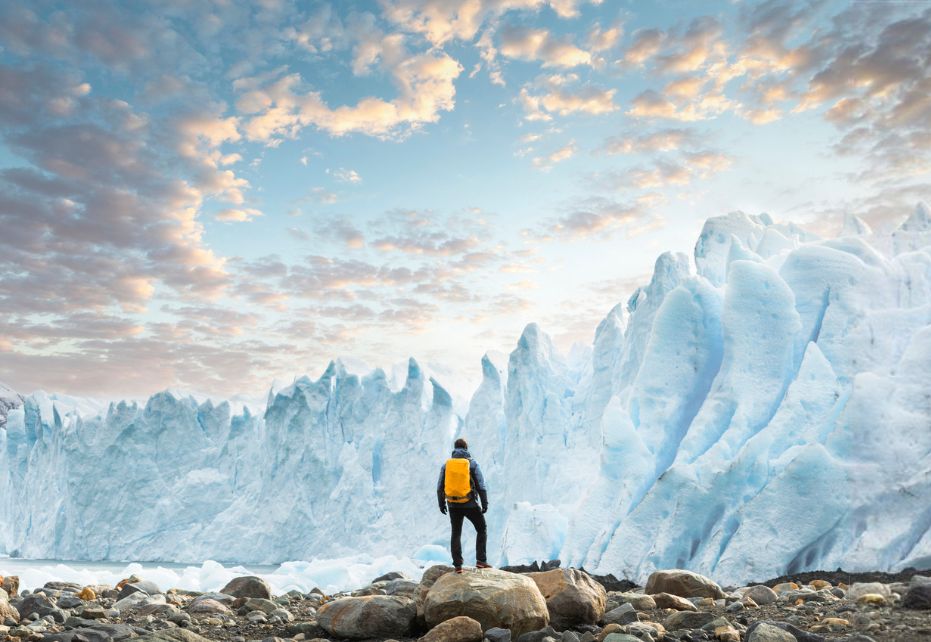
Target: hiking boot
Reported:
[(482, 565), (459, 570)]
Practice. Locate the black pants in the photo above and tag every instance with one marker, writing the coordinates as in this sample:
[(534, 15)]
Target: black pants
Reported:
[(474, 515)]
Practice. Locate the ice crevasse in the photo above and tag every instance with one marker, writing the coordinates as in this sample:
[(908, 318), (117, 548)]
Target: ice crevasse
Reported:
[(762, 407)]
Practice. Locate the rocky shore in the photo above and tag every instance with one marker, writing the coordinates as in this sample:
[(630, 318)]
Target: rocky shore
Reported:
[(550, 605)]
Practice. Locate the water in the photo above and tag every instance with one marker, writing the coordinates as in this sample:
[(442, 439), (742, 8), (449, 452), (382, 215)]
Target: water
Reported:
[(329, 575)]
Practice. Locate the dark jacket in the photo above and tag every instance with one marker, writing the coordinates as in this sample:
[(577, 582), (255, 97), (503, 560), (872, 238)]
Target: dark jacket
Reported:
[(479, 491)]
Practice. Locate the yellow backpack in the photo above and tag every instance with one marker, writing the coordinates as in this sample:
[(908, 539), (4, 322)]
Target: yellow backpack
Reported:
[(458, 482)]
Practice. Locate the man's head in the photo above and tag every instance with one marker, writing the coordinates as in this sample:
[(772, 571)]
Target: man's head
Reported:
[(461, 443)]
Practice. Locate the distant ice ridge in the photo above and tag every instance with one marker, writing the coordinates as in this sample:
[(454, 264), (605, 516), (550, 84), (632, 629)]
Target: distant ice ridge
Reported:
[(763, 407)]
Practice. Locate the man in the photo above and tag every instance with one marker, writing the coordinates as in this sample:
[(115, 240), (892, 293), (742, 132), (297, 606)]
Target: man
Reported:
[(460, 487)]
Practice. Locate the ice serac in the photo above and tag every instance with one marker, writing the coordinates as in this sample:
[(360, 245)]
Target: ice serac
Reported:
[(765, 412), (9, 399)]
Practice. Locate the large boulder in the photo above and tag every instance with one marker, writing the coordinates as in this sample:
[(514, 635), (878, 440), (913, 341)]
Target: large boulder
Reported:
[(683, 583), (458, 629), (494, 598), (427, 580), (371, 616), (8, 612), (572, 596), (248, 586)]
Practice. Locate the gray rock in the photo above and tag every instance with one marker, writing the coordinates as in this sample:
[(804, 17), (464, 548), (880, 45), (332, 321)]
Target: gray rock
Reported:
[(682, 583), (715, 623), (539, 635), (71, 587), (641, 631), (257, 617), (99, 632), (624, 614), (157, 609), (207, 605), (282, 614), (40, 605), (69, 602), (142, 586), (180, 618), (918, 597), (131, 601), (768, 633), (497, 634), (92, 612), (796, 633), (621, 637), (248, 586), (310, 630), (401, 587), (640, 601), (387, 577), (171, 635), (917, 580), (735, 607), (569, 636), (762, 595), (688, 620), (222, 598), (259, 604)]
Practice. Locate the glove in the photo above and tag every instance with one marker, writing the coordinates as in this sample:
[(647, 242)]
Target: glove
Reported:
[(443, 509), (484, 508)]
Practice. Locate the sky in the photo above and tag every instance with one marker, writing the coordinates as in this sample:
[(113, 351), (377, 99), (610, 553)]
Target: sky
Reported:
[(216, 195)]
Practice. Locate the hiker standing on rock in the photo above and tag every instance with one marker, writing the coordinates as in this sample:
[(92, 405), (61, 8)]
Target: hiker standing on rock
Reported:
[(460, 487)]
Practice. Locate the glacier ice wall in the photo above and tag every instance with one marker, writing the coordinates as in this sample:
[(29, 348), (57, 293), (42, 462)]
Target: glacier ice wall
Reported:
[(762, 408)]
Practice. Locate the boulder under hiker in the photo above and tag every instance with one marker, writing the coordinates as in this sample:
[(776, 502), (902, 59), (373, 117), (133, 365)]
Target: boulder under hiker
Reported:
[(460, 488)]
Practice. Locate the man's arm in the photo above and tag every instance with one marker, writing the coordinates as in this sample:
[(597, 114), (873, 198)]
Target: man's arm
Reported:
[(441, 490), (480, 485)]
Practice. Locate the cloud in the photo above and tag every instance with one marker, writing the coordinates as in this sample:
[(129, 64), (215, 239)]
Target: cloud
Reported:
[(650, 104), (646, 44), (237, 215), (341, 230), (563, 153), (323, 195), (666, 172), (440, 21), (662, 140), (599, 39), (425, 84), (526, 43), (599, 218), (345, 175), (561, 96), (692, 50)]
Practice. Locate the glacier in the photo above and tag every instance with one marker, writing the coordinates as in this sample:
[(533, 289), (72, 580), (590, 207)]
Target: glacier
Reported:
[(762, 407)]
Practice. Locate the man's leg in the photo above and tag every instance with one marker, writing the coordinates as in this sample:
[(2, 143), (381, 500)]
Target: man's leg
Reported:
[(455, 544), (481, 533)]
